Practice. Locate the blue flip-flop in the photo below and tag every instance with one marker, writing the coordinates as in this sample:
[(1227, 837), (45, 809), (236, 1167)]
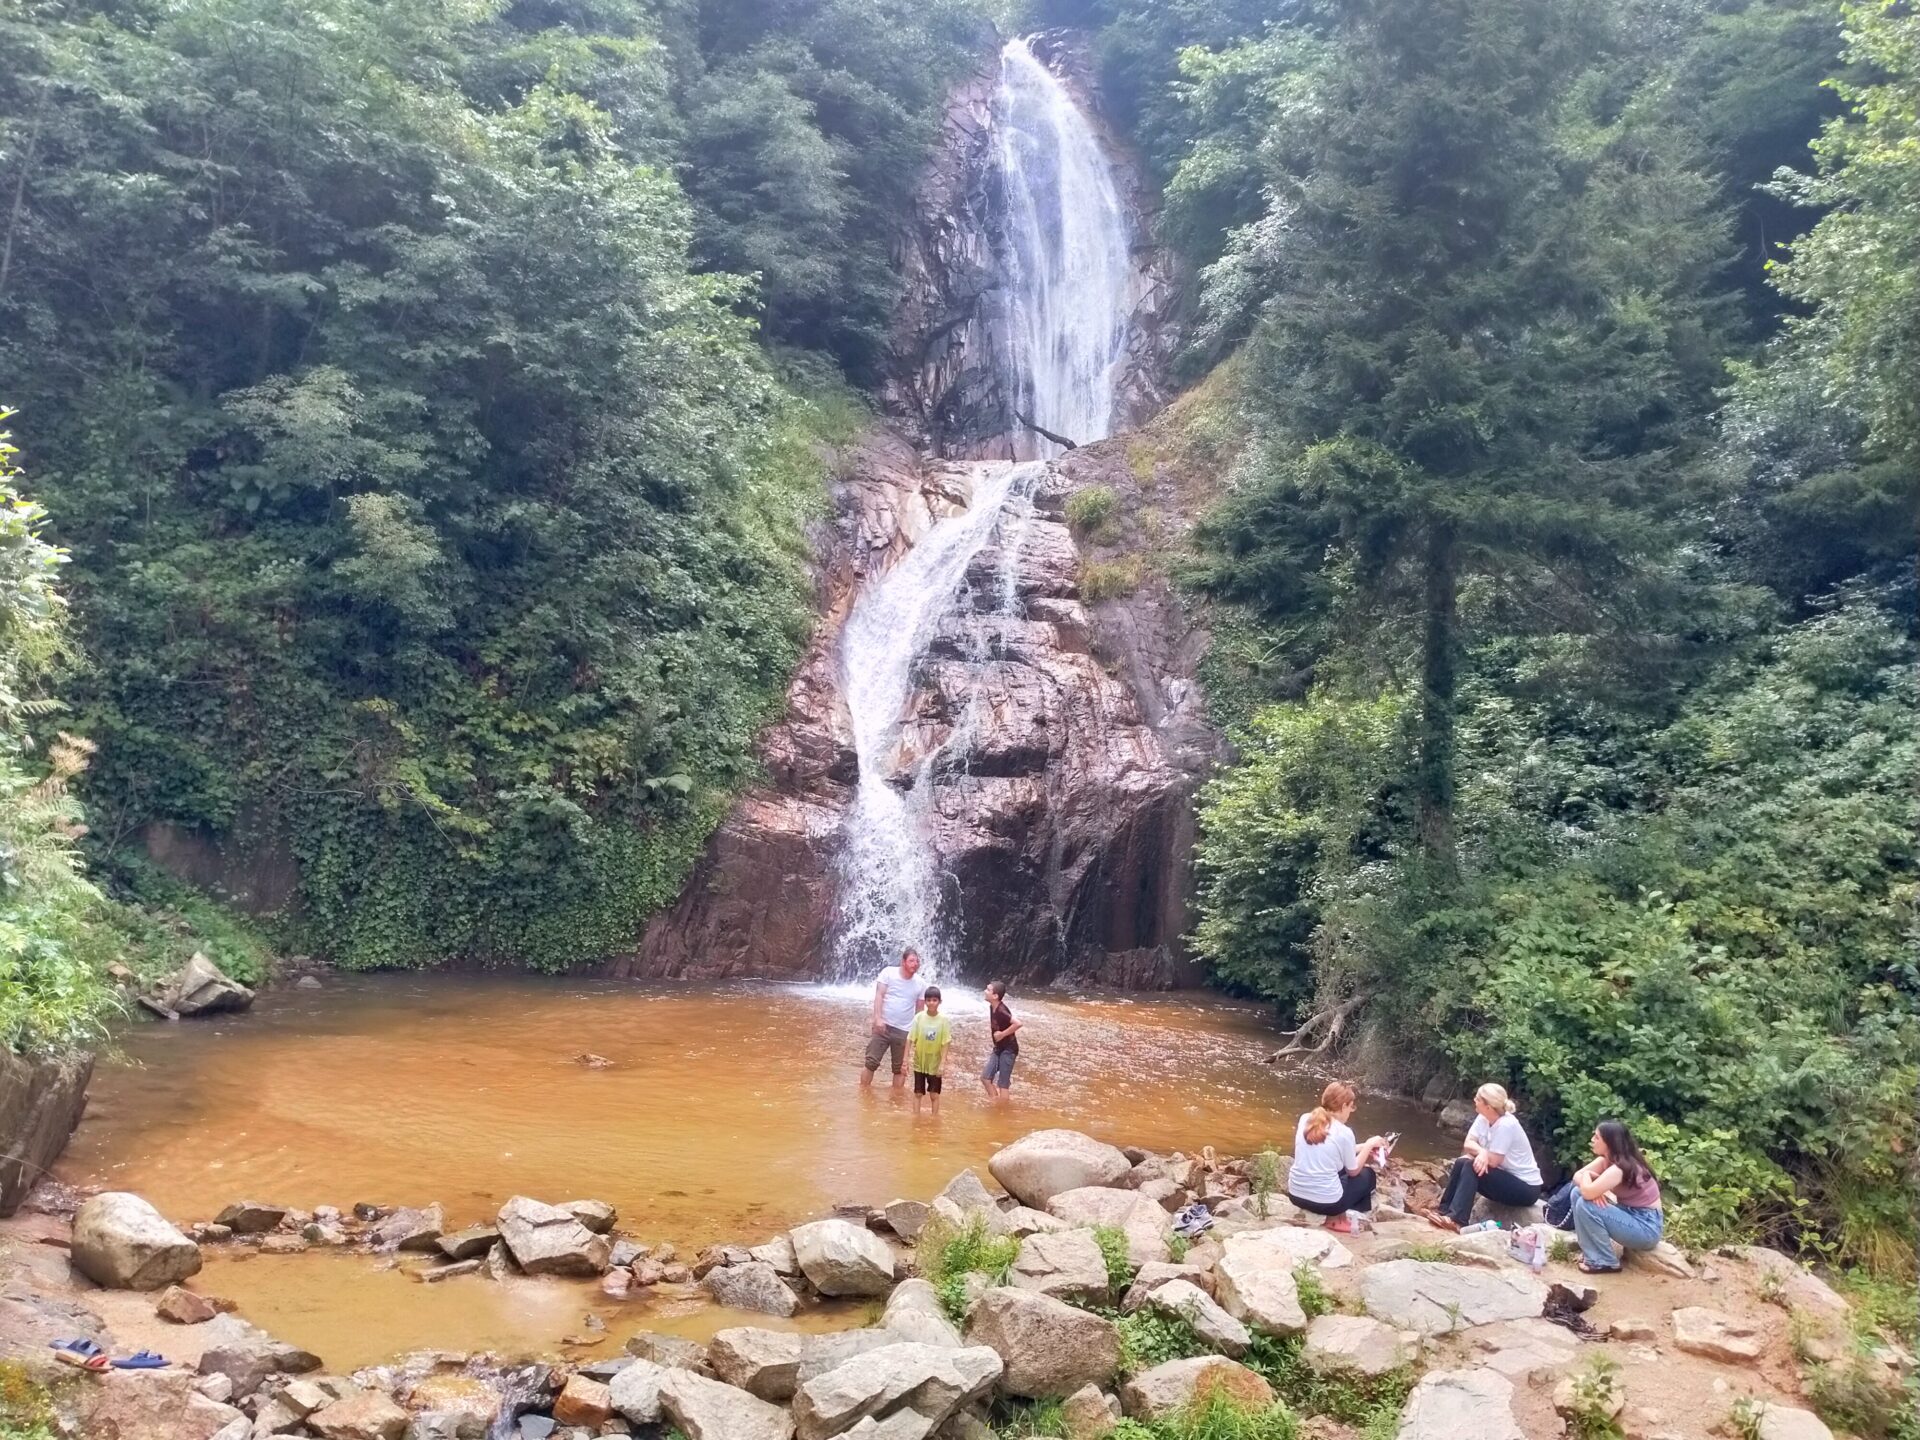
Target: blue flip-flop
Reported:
[(142, 1360)]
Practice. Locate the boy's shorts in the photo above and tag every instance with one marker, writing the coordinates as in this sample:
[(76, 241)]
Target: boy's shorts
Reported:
[(925, 1084), (999, 1071)]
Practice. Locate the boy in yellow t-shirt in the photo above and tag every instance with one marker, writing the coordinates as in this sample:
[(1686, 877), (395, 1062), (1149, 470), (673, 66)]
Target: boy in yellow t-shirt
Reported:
[(927, 1041)]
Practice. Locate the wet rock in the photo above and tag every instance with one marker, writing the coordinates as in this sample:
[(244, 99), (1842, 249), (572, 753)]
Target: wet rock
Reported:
[(708, 1410), (1067, 1265), (714, 1256), (1148, 1278), (1050, 1348), (764, 1363), (1046, 1163), (1089, 1413), (468, 1244), (1357, 1345), (247, 1355), (123, 1243), (932, 1382), (583, 1402), (306, 982), (673, 1352), (368, 1415), (410, 1228), (777, 1252), (546, 1240), (1182, 1299), (1716, 1335), (202, 988), (251, 1217), (1167, 1389), (1143, 1222), (616, 1284), (535, 1427), (625, 1252), (1452, 1404), (434, 1274), (183, 1307), (635, 1391), (840, 1258), (469, 1404), (498, 1264), (907, 1218), (754, 1286), (914, 1312), (283, 1245), (1258, 1287), (595, 1215), (205, 1232), (1436, 1298), (323, 1233)]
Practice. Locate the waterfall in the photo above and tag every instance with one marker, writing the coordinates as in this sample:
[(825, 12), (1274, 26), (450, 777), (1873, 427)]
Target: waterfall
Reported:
[(1067, 274), (1066, 256)]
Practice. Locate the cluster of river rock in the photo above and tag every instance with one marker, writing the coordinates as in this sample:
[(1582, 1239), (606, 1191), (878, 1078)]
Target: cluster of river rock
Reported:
[(930, 1364)]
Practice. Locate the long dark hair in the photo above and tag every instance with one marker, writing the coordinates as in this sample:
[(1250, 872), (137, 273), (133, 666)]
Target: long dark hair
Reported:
[(1621, 1149)]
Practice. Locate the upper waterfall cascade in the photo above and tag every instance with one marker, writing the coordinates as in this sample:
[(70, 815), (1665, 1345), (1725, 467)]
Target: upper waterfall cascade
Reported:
[(1065, 258)]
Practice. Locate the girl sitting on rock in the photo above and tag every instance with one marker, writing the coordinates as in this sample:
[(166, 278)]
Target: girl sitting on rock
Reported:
[(1615, 1198), (1497, 1162), (1330, 1174)]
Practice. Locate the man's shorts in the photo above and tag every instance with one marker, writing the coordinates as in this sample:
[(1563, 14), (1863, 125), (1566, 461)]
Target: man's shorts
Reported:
[(999, 1071), (925, 1084), (892, 1039)]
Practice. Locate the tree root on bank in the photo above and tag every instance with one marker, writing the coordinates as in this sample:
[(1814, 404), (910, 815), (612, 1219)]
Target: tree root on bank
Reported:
[(1044, 433), (1332, 1021)]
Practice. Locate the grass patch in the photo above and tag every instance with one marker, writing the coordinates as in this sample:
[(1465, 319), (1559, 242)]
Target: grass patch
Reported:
[(1315, 1299), (1110, 579), (1092, 513), (1177, 1247), (948, 1255), (1112, 1241), (1854, 1395), (1266, 1179), (26, 1409), (1215, 1416), (1562, 1251), (1149, 1338), (1016, 1421), (1370, 1404)]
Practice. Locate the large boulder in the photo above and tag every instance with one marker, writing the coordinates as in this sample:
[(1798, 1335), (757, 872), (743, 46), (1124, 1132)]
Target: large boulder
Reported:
[(464, 1404), (907, 1218), (1050, 1348), (1143, 1222), (1456, 1404), (1716, 1335), (547, 1240), (1067, 1265), (755, 1286), (1183, 1300), (1784, 1422), (708, 1410), (203, 988), (417, 1228), (367, 1415), (931, 1381), (635, 1390), (765, 1363), (841, 1258), (123, 1243), (1089, 1414), (1435, 1298), (251, 1217), (150, 1405), (1258, 1287), (1357, 1345), (1799, 1287), (1167, 1389), (914, 1312), (1039, 1166), (247, 1355), (821, 1353)]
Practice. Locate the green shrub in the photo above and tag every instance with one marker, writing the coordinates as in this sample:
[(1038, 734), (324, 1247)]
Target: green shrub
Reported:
[(1595, 1393), (1315, 1298), (1016, 1421), (1215, 1415), (948, 1255), (1351, 1399), (1112, 1241), (1178, 1246), (1266, 1179), (1091, 512), (1110, 579), (1149, 1338)]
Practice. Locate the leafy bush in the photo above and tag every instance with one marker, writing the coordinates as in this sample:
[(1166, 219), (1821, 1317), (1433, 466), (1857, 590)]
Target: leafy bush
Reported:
[(1110, 579), (1315, 1298), (1266, 1179), (948, 1255), (26, 1410), (1149, 1338), (1091, 512), (1214, 1415), (1112, 1241), (1356, 1400)]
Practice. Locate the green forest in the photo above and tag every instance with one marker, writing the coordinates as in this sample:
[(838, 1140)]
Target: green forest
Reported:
[(418, 412)]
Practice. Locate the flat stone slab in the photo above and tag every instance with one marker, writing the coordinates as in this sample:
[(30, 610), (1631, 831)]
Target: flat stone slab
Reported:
[(1437, 1299), (1716, 1335), (1293, 1245), (1460, 1405)]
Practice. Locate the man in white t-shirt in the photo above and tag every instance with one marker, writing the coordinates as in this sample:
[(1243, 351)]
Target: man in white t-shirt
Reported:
[(898, 994)]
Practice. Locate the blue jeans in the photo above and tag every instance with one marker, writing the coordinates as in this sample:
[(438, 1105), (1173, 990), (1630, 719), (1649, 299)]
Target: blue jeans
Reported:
[(1598, 1226), (999, 1071)]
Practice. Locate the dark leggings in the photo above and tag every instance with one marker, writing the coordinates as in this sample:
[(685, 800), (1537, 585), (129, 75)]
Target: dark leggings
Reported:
[(1356, 1193), (1499, 1186)]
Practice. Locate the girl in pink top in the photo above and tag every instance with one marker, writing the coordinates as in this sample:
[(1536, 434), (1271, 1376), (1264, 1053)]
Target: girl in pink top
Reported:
[(1618, 1200)]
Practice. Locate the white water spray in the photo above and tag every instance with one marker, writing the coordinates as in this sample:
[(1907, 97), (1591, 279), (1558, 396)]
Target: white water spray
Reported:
[(1067, 258), (1067, 264)]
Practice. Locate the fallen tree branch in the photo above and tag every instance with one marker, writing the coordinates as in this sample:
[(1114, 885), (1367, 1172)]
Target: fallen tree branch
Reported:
[(1044, 433), (1332, 1021)]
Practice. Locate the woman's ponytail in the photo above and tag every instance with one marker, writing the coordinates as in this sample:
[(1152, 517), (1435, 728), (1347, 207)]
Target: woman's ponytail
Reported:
[(1495, 1097), (1337, 1096)]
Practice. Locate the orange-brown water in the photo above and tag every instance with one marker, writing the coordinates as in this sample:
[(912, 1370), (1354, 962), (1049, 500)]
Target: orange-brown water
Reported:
[(726, 1113)]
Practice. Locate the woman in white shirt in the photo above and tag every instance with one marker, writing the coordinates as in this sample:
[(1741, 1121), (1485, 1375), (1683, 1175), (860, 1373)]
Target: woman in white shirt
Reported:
[(1330, 1174), (1498, 1162)]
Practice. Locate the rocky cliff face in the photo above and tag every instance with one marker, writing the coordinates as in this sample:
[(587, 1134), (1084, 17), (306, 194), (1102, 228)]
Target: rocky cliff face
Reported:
[(950, 350)]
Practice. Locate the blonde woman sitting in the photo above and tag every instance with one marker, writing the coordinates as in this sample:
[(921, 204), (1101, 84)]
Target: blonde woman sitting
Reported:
[(1496, 1161)]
